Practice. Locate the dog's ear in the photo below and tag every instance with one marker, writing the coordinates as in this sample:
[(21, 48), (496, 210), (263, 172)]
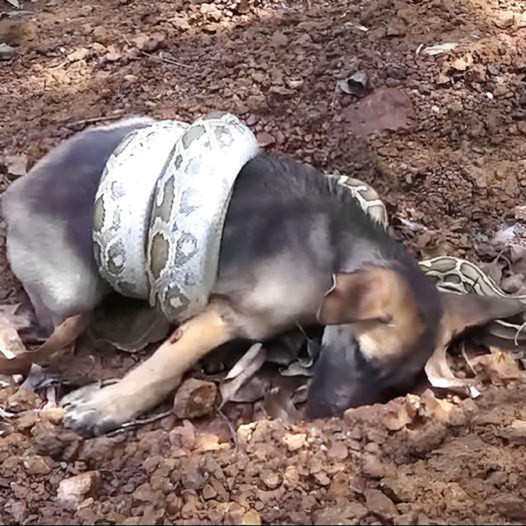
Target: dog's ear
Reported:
[(463, 311), (365, 294)]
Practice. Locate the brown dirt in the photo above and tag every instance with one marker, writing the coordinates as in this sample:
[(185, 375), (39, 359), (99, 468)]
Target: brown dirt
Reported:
[(458, 172)]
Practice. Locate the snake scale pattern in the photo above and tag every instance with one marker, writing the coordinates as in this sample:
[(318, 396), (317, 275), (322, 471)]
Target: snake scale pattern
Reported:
[(161, 204)]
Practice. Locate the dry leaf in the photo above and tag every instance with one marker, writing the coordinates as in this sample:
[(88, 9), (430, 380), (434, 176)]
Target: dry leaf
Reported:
[(20, 362), (242, 371)]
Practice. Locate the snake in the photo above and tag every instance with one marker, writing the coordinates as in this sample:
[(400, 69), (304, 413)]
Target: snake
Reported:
[(452, 274), (160, 207), (162, 201)]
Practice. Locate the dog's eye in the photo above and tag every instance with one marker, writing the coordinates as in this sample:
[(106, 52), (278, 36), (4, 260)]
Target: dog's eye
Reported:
[(387, 319)]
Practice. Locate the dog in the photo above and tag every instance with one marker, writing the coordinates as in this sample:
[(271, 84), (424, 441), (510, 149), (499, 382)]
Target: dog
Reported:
[(296, 249)]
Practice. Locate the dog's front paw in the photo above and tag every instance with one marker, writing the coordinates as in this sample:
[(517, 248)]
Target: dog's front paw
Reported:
[(93, 410)]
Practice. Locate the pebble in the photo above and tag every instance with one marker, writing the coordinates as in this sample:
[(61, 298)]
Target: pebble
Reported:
[(382, 506), (195, 398), (6, 52), (294, 441), (37, 465), (72, 491)]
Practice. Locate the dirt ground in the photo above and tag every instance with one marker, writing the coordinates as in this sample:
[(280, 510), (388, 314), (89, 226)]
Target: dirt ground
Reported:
[(452, 173)]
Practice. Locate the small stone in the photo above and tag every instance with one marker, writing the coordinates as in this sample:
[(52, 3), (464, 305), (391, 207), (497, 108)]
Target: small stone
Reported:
[(322, 478), (235, 513), (515, 433), (209, 492), (6, 52), (521, 126), (382, 506), (355, 509), (511, 507), (338, 451), (294, 441), (251, 517), (37, 465), (79, 54), (339, 486), (279, 39), (265, 139), (71, 492), (150, 42), (291, 476), (27, 419), (373, 466), (195, 398), (462, 63), (101, 36), (396, 28), (271, 479)]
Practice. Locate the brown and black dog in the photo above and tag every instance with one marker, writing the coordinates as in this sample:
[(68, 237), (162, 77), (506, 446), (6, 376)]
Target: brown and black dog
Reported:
[(296, 249)]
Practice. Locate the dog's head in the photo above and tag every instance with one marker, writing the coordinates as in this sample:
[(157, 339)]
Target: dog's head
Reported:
[(382, 325)]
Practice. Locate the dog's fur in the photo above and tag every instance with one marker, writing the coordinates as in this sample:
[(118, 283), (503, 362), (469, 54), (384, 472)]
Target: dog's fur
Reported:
[(296, 249)]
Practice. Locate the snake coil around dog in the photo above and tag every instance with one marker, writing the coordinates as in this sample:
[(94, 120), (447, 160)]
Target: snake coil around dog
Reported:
[(160, 208)]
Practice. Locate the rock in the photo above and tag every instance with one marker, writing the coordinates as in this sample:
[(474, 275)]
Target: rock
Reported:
[(265, 139), (322, 478), (462, 63), (235, 513), (150, 42), (338, 451), (442, 410), (209, 492), (271, 479), (37, 465), (195, 398), (382, 506), (515, 433), (294, 441), (339, 486), (27, 419), (373, 467), (279, 39), (211, 11), (291, 476), (511, 507), (396, 28), (251, 517), (71, 492), (100, 35), (193, 476), (6, 52)]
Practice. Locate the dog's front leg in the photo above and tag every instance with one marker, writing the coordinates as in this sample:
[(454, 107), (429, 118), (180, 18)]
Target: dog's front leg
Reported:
[(92, 410)]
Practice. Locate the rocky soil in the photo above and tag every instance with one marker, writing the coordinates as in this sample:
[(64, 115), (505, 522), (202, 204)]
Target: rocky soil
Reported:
[(446, 150)]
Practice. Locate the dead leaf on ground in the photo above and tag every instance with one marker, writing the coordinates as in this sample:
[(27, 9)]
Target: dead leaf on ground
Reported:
[(19, 362), (242, 371)]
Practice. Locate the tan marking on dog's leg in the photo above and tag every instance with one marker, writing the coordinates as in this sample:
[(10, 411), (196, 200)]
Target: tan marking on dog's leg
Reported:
[(146, 385), (157, 376)]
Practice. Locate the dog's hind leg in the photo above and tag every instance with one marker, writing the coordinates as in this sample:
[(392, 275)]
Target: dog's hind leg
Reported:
[(92, 410)]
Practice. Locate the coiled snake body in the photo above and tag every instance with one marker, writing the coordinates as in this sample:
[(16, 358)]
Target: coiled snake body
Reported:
[(162, 201)]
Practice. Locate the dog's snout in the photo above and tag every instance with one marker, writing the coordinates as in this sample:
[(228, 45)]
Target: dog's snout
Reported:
[(345, 377), (342, 379)]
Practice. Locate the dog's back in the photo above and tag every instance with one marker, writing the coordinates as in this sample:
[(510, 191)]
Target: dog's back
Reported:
[(49, 220)]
